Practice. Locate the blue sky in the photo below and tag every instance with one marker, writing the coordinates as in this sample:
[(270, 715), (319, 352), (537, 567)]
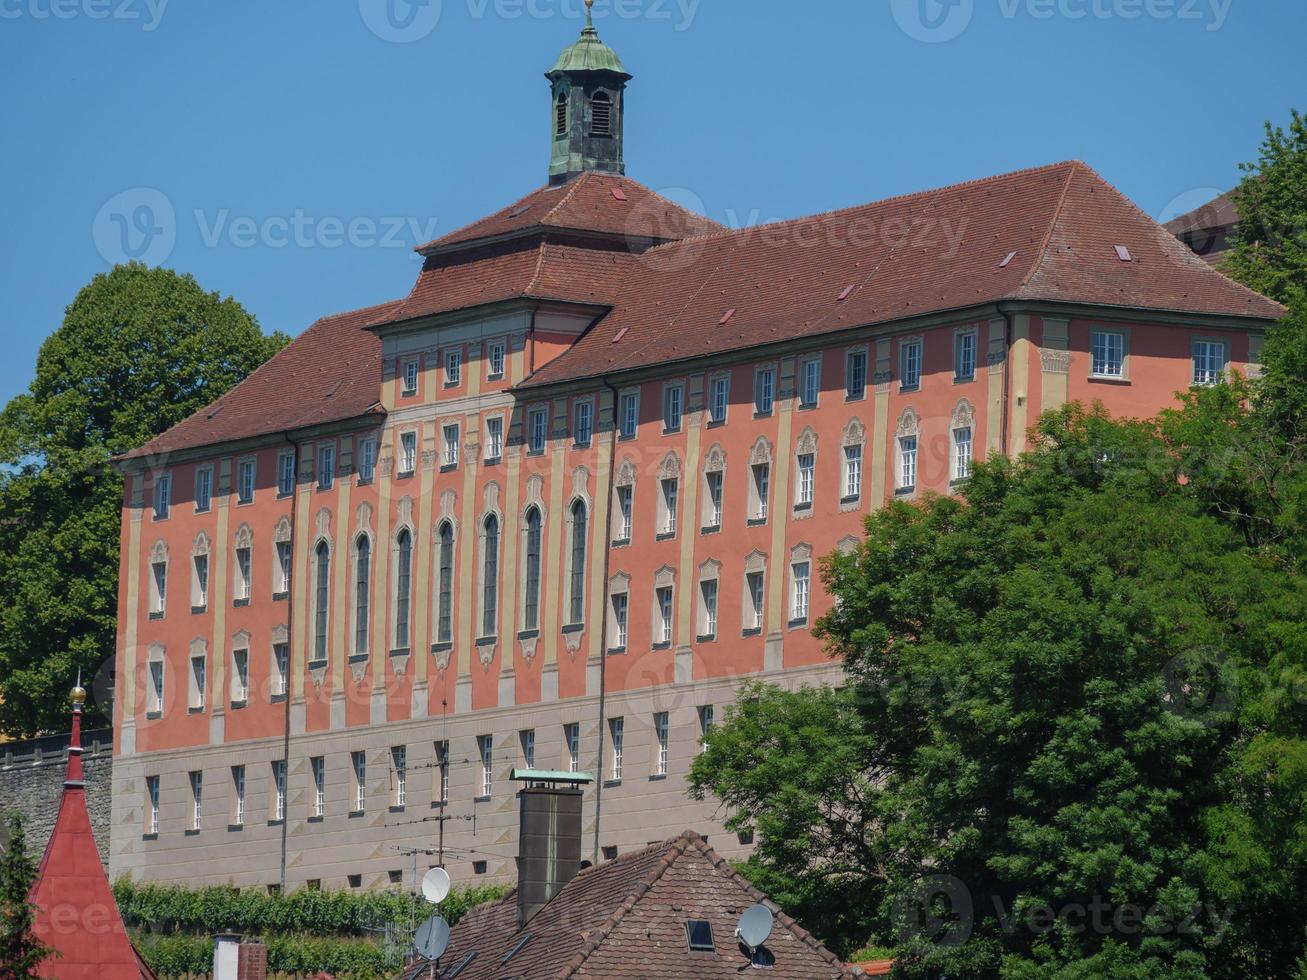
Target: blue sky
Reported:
[(289, 153)]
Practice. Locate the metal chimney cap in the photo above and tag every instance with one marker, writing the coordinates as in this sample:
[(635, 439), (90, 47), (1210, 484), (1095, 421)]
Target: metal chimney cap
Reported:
[(552, 776)]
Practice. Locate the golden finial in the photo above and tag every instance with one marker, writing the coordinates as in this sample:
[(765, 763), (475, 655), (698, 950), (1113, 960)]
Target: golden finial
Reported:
[(79, 693), (589, 13)]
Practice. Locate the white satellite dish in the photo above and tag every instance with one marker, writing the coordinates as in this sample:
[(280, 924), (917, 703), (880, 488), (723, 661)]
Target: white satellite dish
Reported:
[(755, 926), (432, 938), (435, 885)]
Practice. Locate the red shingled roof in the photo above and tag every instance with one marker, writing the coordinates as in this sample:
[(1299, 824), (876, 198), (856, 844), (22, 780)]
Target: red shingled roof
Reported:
[(1221, 212), (626, 918), (587, 204), (930, 252), (330, 373)]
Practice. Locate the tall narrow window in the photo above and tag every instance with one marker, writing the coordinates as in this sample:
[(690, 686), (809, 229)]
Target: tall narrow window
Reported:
[(494, 439), (601, 114), (537, 430), (238, 794), (279, 789), (203, 488), (625, 498), (671, 496), (799, 606), (628, 414), (152, 801), (285, 474), (244, 571), (715, 481), (408, 453), (621, 602), (445, 595), (810, 386), (617, 730), (197, 799), (283, 567), (359, 765), (162, 496), (245, 482), (753, 614), (580, 526), (528, 739), (321, 593), (705, 720), (326, 467), (495, 360), (807, 479), (442, 772), (761, 490), (367, 466), (855, 375), (964, 356), (560, 115), (281, 673), (572, 736), (490, 590), (910, 365), (531, 600), (453, 368), (962, 453), (240, 682), (673, 403), (485, 747), (852, 472), (403, 588), (411, 377), (399, 761), (708, 597), (156, 687), (451, 445), (663, 599), (159, 570), (907, 462), (198, 682), (362, 593), (319, 766), (661, 734), (764, 391), (720, 399), (201, 597), (582, 423)]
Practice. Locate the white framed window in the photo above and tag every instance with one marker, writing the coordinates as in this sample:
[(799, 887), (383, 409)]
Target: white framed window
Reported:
[(281, 669), (286, 474), (203, 488), (156, 687), (852, 472), (445, 583), (572, 737), (907, 462), (962, 453), (200, 586), (807, 477), (1107, 354), (673, 407), (442, 772), (628, 414), (238, 794), (399, 762), (494, 439), (715, 480), (321, 599), (359, 765), (199, 680), (1209, 361), (495, 360), (453, 368), (964, 355), (755, 601), (485, 748), (159, 586), (162, 496), (537, 430), (326, 466), (245, 482), (283, 567), (367, 465), (527, 738), (240, 678), (621, 607), (719, 399), (671, 492), (152, 804), (662, 732), (408, 453), (625, 502), (664, 608), (810, 382), (450, 433), (582, 423), (764, 391), (855, 375), (801, 573), (403, 587), (761, 473), (318, 765), (197, 799), (708, 609), (617, 732), (705, 721), (410, 377), (244, 571), (909, 365), (279, 789)]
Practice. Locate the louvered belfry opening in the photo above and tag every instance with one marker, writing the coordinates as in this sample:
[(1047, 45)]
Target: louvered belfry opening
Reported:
[(601, 115), (560, 115)]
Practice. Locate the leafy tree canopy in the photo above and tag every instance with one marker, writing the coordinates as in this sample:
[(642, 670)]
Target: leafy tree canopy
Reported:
[(139, 350), (20, 951)]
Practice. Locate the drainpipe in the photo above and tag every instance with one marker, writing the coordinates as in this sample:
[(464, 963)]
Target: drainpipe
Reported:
[(290, 650), (1007, 377), (603, 619)]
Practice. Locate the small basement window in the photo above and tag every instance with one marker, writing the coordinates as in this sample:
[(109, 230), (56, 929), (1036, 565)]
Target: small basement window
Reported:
[(601, 114), (698, 933)]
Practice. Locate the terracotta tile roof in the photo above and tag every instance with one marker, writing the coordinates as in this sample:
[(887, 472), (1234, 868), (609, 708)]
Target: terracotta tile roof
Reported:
[(330, 373), (934, 251), (626, 918), (586, 204), (1219, 213)]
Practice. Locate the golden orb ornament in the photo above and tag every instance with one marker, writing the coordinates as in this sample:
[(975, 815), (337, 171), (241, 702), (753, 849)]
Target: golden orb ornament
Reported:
[(79, 695)]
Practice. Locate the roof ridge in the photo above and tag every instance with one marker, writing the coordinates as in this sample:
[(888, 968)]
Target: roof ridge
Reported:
[(535, 274), (562, 202), (1052, 226)]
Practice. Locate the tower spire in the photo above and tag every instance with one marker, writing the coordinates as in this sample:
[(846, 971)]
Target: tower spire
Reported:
[(588, 84)]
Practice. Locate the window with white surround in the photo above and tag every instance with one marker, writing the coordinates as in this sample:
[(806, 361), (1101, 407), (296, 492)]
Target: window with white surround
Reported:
[(367, 464), (964, 355), (408, 453), (576, 579), (852, 472), (761, 491), (279, 789), (755, 601), (910, 365), (800, 573), (673, 407), (531, 569), (240, 676), (485, 748), (238, 796), (628, 414), (362, 593), (855, 375), (714, 483), (286, 474), (494, 439), (582, 423), (719, 399), (537, 430), (159, 580), (708, 608), (203, 488), (625, 502), (705, 721), (197, 799), (399, 764), (962, 451), (450, 433), (245, 481), (242, 586), (490, 577), (662, 732), (572, 737), (810, 382), (200, 579), (764, 391), (281, 669), (453, 368), (1209, 361), (321, 597), (527, 738), (806, 480), (495, 360), (199, 671), (281, 571), (621, 607), (616, 731), (156, 687), (318, 766), (907, 462), (359, 770), (442, 773), (445, 583), (670, 487), (152, 804), (403, 587), (1107, 349), (410, 377), (664, 611), (326, 466), (162, 496)]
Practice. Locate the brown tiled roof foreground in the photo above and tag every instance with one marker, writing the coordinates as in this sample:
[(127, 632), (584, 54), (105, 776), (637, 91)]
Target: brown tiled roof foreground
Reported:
[(626, 919), (938, 251)]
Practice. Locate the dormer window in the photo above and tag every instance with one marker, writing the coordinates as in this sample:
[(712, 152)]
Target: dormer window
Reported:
[(601, 114), (560, 115)]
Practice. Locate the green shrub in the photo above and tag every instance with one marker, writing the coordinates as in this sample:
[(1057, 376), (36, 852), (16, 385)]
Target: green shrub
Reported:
[(178, 956)]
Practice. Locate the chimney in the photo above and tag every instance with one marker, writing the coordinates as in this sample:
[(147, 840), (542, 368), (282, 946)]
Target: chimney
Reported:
[(549, 837), (237, 960)]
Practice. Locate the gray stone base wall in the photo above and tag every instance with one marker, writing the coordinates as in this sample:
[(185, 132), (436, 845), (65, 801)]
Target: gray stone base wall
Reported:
[(35, 789)]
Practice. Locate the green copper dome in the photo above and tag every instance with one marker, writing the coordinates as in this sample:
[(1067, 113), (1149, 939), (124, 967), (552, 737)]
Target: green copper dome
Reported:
[(588, 54)]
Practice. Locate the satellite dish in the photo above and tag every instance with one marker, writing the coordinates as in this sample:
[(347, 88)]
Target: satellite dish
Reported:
[(755, 926), (435, 885), (432, 938)]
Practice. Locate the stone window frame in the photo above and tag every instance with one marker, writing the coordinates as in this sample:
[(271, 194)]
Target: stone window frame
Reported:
[(534, 501), (404, 521), (849, 353), (241, 590), (456, 445), (490, 509), (161, 501), (490, 417), (908, 427), (759, 371), (457, 379), (800, 555), (963, 417), (853, 436), (532, 412), (325, 476), (197, 687), (1207, 338), (415, 362), (587, 402), (252, 462), (202, 548), (762, 454), (815, 358), (664, 578), (714, 463), (712, 380), (619, 584), (709, 571), (240, 643), (321, 537), (580, 495), (755, 563), (363, 479), (294, 473), (401, 472), (1124, 333), (668, 524), (971, 330), (280, 636), (626, 478), (282, 534), (622, 396), (805, 445), (157, 653), (447, 515), (904, 343), (668, 387), (204, 468), (491, 344), (158, 596), (363, 531)]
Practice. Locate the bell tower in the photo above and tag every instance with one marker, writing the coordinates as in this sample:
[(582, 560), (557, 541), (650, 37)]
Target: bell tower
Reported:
[(587, 107)]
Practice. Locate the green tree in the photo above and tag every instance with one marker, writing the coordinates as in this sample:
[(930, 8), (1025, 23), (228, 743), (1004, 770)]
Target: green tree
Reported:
[(20, 951), (139, 350)]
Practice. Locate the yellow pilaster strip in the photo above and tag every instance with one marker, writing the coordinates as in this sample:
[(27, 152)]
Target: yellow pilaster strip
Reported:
[(303, 587), (880, 424), (779, 509), (552, 597), (135, 494), (1054, 364), (219, 583), (598, 522), (997, 359), (468, 628), (340, 581), (1021, 353)]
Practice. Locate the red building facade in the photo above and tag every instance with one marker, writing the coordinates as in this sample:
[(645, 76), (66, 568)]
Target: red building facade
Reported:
[(551, 507)]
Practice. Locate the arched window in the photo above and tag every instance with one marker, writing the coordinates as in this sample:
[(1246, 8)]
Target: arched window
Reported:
[(490, 594), (579, 523), (531, 609), (445, 595), (601, 114), (362, 586), (403, 587), (560, 115), (323, 560)]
